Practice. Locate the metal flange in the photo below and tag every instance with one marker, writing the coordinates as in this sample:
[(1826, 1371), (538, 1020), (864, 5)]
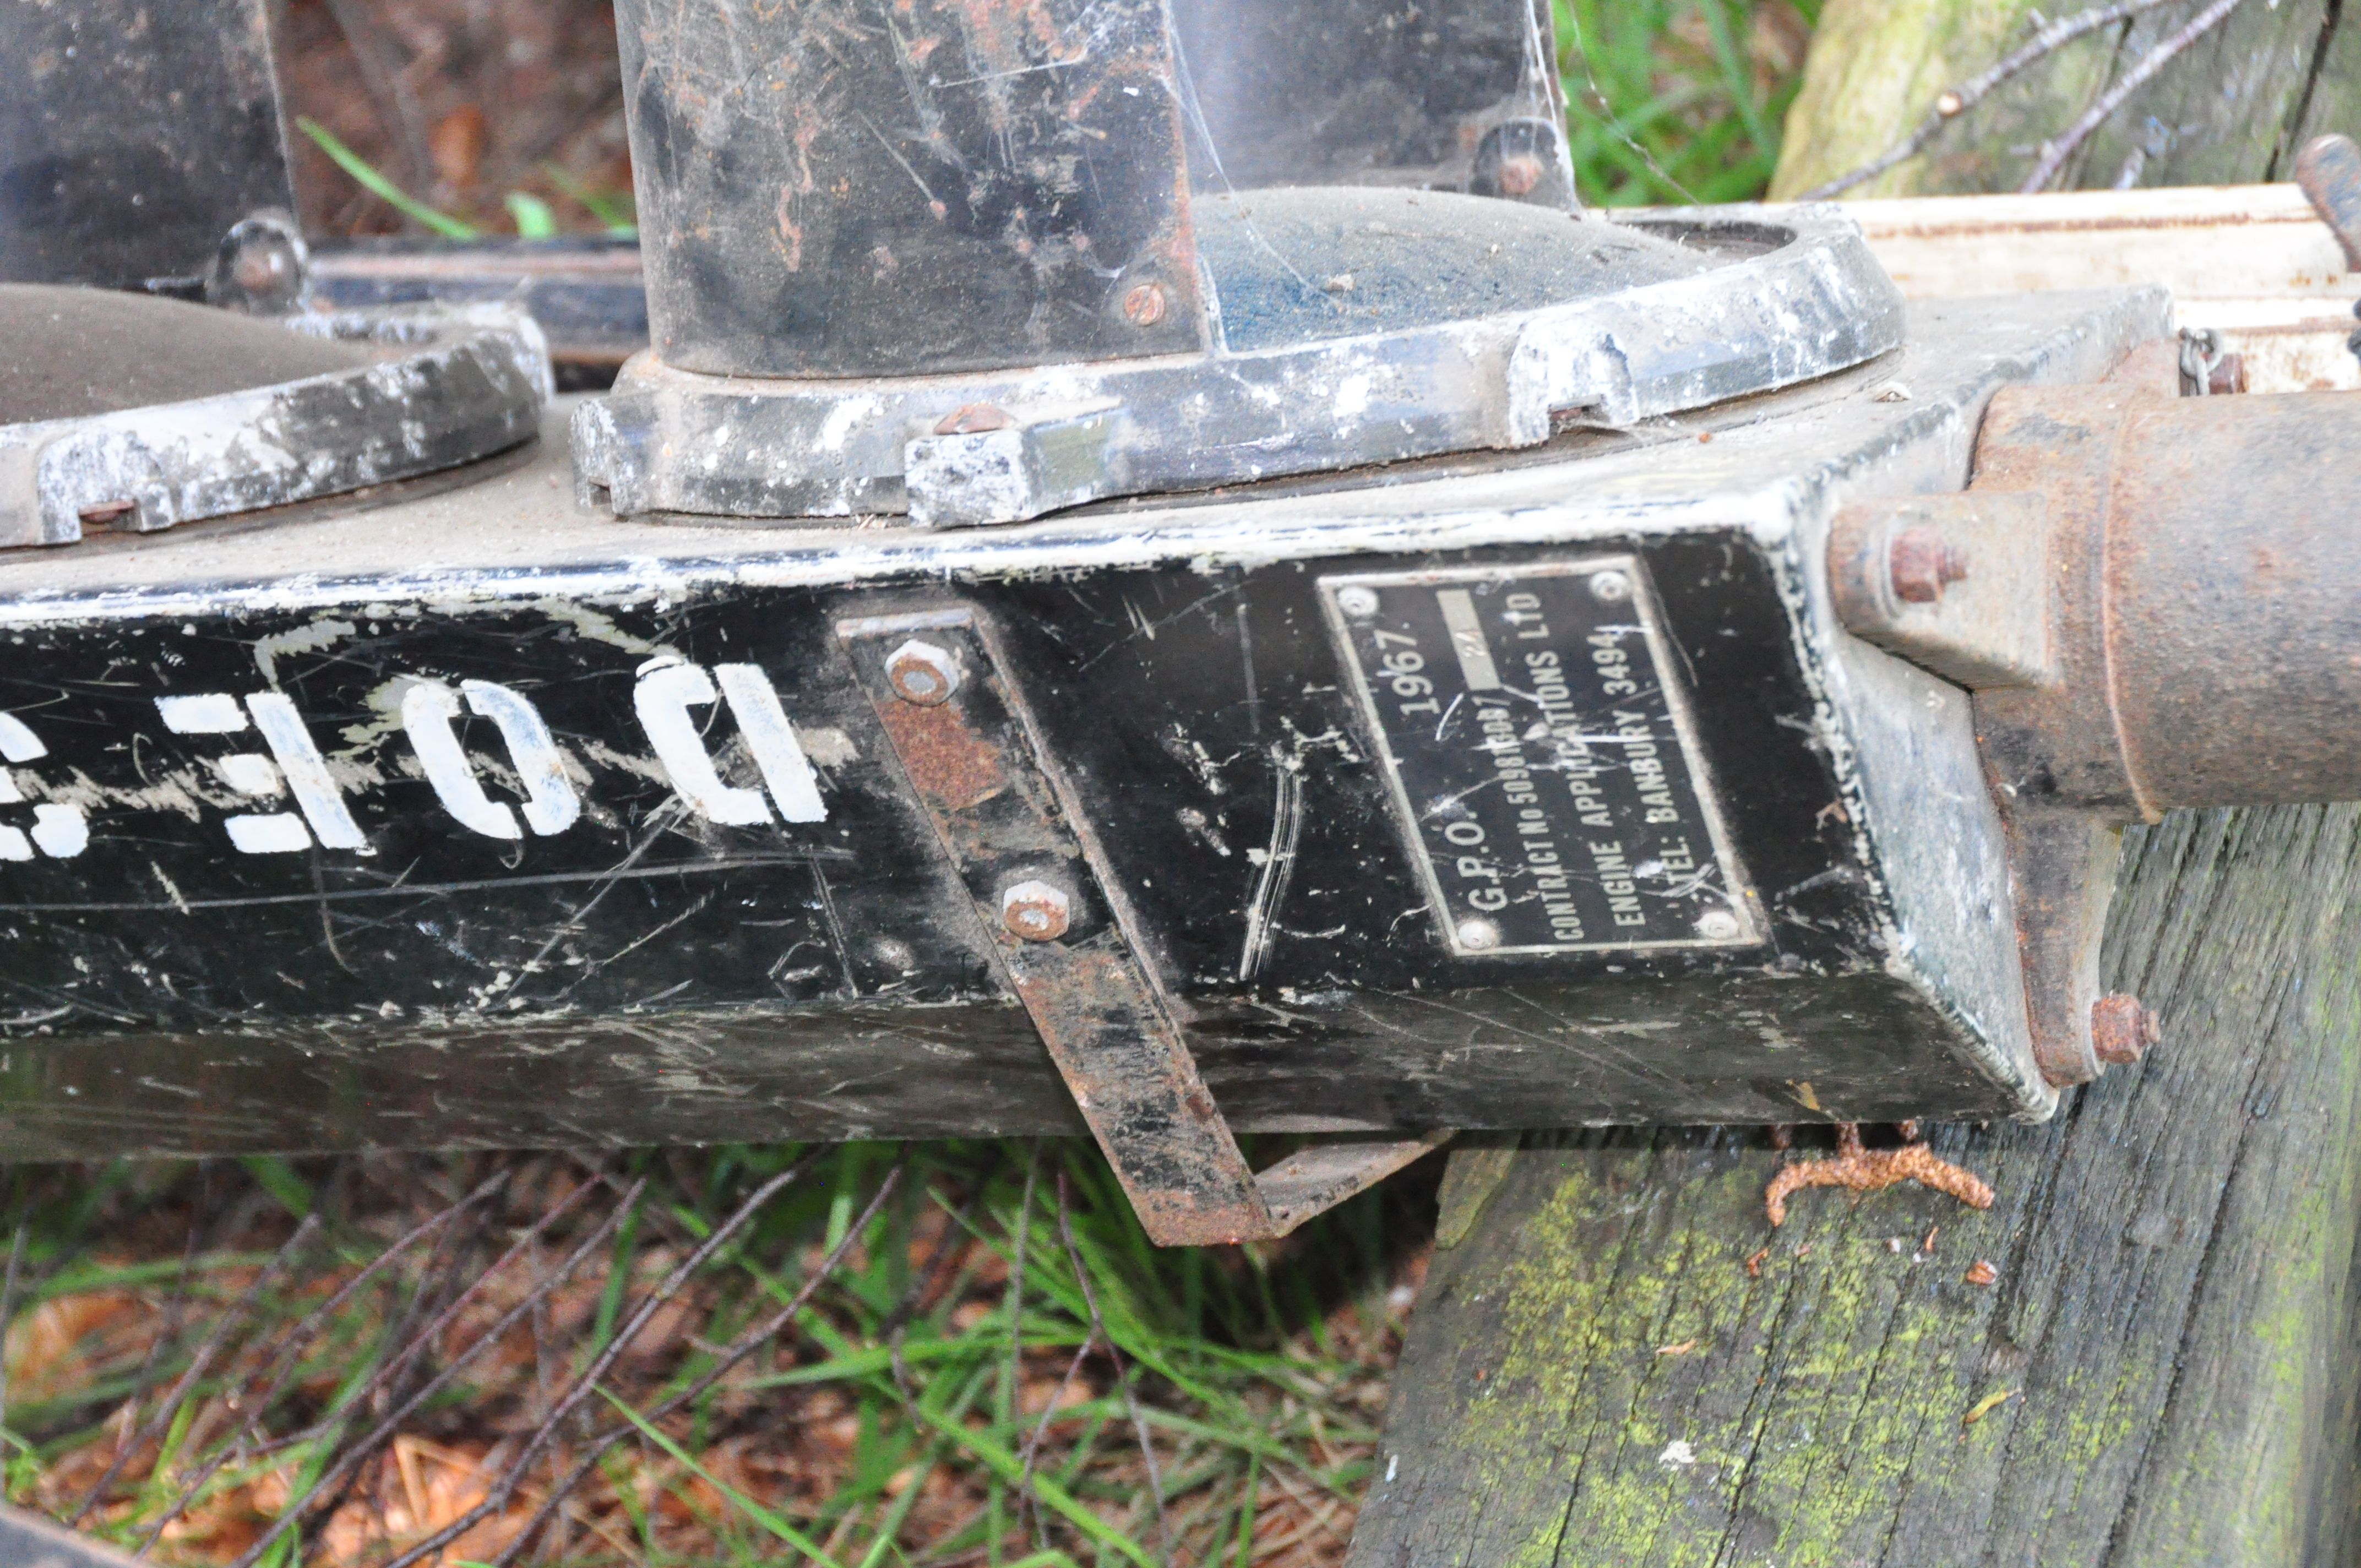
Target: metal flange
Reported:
[(450, 384), (1797, 295)]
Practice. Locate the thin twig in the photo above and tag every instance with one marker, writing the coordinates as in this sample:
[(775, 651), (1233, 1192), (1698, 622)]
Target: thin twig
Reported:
[(202, 1362), (744, 1346), (948, 1249), (299, 1339), (388, 84), (1012, 1375), (2054, 154), (1025, 1497), (1122, 1367), (353, 1457), (8, 1294), (505, 1487), (1953, 102), (1614, 120)]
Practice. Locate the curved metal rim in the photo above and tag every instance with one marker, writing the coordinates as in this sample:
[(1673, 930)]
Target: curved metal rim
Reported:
[(1036, 440), (474, 385)]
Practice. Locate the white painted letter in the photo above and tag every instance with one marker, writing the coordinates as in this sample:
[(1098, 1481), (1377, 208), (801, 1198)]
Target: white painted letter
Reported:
[(664, 697), (793, 787), (665, 694), (550, 806), (427, 710), (299, 764), (60, 830)]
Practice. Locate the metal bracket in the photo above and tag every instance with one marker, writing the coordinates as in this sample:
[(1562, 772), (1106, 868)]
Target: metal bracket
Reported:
[(1056, 923)]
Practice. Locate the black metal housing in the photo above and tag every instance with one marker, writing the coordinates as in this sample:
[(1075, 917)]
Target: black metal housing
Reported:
[(134, 134), (429, 947)]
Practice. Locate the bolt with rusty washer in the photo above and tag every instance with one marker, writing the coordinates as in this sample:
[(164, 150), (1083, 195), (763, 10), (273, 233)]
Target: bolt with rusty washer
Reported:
[(922, 673), (2121, 1030), (1036, 911), (1922, 564)]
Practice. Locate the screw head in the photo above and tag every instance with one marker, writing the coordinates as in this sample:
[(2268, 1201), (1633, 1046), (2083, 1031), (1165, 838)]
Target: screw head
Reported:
[(259, 266), (1036, 911), (1143, 306), (2121, 1030), (1358, 601), (923, 674), (1610, 588), (1520, 174), (1922, 564), (1717, 925), (1479, 935)]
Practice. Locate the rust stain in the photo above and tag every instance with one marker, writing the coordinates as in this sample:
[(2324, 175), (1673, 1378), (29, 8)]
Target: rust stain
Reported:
[(953, 767)]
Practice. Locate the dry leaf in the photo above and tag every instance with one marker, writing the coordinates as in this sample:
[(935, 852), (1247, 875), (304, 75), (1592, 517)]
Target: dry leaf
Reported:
[(1986, 1406)]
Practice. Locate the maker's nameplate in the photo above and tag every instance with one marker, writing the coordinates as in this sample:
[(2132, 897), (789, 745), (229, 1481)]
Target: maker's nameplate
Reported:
[(1542, 757)]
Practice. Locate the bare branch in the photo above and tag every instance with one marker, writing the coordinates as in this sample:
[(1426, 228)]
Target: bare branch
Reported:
[(745, 1345), (513, 1477), (1953, 102), (202, 1362), (2054, 154), (298, 1338), (1122, 1367), (355, 1457)]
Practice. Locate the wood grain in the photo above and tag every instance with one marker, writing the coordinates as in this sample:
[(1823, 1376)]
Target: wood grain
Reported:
[(2234, 107), (2173, 1324)]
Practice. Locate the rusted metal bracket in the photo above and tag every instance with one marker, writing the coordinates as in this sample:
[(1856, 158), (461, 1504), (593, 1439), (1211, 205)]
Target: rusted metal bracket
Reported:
[(1056, 923), (2154, 609)]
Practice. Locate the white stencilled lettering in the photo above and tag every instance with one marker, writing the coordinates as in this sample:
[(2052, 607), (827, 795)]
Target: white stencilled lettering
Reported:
[(666, 693), (294, 766), (550, 807), (58, 832)]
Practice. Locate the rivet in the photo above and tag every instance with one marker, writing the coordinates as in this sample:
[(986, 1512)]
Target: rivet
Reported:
[(1479, 935)]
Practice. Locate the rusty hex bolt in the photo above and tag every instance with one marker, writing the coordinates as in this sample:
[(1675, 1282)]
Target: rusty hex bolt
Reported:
[(2121, 1030), (1923, 564), (1143, 306), (1520, 174), (923, 674), (1035, 911)]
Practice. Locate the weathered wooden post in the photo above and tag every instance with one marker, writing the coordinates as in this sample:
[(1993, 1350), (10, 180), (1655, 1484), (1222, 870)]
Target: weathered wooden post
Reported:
[(2145, 1352)]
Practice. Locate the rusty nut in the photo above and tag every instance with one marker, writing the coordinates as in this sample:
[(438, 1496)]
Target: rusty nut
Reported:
[(923, 674), (1036, 911), (1923, 564), (2121, 1030)]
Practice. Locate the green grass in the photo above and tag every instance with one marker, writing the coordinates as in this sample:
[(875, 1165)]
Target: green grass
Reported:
[(1678, 101), (1669, 102), (894, 1421)]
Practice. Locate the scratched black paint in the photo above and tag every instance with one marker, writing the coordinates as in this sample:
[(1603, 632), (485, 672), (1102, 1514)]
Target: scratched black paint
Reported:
[(645, 975), (842, 189)]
